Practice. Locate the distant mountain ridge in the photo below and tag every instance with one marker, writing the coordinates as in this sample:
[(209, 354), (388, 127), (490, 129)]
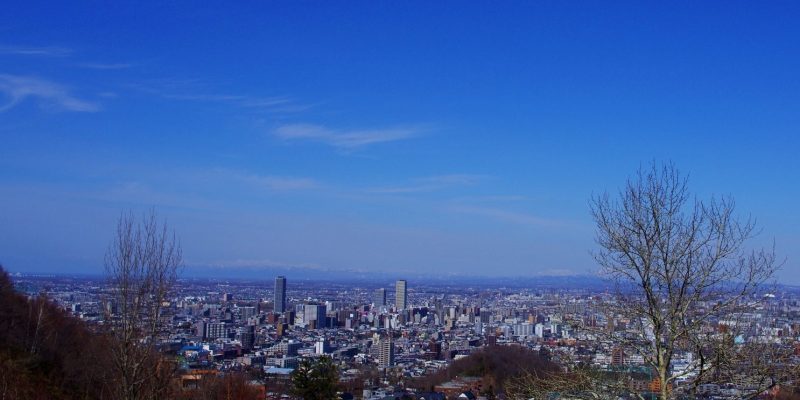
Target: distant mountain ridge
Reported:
[(268, 273), (352, 275)]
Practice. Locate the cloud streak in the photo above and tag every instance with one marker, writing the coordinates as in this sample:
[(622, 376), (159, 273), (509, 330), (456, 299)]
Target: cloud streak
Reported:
[(432, 183), (343, 139), (280, 183), (105, 66), (193, 90), (505, 216), (47, 51), (268, 182), (48, 94), (242, 100)]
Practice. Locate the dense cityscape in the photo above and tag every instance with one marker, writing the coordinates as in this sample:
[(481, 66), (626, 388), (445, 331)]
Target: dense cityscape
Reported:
[(384, 337), (399, 200)]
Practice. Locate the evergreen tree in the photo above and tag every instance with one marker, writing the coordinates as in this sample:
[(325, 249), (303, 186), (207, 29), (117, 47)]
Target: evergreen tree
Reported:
[(315, 379)]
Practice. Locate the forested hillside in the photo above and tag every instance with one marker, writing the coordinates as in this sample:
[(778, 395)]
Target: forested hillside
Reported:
[(46, 353)]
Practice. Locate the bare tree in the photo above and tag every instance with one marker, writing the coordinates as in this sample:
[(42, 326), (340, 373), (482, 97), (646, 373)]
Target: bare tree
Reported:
[(680, 266), (142, 264), (578, 384)]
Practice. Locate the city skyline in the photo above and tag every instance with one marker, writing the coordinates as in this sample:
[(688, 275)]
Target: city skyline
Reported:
[(378, 138), (223, 327)]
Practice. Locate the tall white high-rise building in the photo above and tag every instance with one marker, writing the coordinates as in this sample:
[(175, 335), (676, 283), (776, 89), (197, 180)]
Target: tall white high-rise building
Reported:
[(321, 347), (400, 295)]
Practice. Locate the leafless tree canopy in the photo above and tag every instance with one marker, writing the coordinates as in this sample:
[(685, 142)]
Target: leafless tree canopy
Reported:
[(679, 262), (141, 263)]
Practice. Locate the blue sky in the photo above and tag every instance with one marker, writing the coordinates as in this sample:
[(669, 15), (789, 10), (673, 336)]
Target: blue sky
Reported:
[(446, 137)]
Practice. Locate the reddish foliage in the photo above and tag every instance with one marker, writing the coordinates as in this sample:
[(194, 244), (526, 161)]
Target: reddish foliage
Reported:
[(44, 352)]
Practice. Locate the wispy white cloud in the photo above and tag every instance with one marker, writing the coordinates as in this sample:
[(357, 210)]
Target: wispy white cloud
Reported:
[(195, 90), (491, 199), (280, 183), (452, 179), (204, 97), (268, 182), (344, 139), (144, 193), (46, 51), (432, 183), (105, 66), (277, 104), (505, 215), (49, 94)]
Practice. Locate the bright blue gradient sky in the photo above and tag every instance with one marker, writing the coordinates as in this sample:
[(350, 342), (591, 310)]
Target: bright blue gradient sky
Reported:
[(441, 137)]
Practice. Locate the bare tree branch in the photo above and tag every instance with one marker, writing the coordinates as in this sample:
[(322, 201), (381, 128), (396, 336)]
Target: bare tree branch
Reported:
[(680, 266), (142, 264)]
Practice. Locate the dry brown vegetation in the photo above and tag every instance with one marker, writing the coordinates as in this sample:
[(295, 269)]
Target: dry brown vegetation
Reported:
[(495, 364), (45, 353)]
